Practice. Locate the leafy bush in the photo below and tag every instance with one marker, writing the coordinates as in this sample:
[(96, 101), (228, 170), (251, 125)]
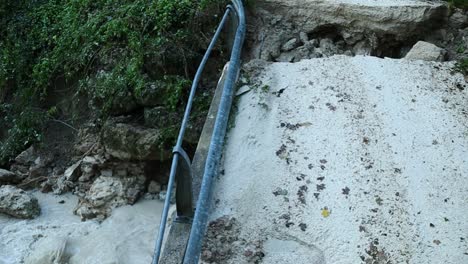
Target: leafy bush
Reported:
[(462, 66), (113, 49), (463, 4), (24, 129)]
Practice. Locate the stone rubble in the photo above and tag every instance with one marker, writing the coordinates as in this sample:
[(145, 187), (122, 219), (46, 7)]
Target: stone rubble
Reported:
[(18, 203)]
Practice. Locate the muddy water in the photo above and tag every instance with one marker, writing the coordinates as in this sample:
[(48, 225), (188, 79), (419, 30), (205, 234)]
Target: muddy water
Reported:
[(127, 236)]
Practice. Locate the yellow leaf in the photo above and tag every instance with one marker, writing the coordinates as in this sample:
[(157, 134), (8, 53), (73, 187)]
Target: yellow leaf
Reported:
[(325, 212)]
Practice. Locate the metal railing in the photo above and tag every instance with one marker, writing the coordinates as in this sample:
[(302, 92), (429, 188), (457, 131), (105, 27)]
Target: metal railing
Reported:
[(181, 164)]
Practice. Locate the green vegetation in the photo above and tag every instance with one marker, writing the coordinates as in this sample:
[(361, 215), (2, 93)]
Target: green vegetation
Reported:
[(462, 66), (265, 88), (463, 4), (110, 51)]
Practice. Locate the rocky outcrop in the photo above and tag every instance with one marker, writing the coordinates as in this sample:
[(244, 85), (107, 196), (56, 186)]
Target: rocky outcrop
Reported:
[(131, 142), (426, 51), (380, 28), (17, 203)]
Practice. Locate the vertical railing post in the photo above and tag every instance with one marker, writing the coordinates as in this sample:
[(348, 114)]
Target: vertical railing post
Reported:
[(200, 220), (179, 153)]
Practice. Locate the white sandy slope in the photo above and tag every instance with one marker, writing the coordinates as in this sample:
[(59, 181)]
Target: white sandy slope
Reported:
[(392, 134), (127, 236)]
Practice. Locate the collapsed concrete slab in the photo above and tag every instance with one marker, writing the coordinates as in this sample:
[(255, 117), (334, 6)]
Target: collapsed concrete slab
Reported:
[(347, 160)]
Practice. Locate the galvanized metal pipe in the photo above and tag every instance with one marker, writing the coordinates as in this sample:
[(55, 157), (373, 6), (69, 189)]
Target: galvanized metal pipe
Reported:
[(192, 252), (180, 138)]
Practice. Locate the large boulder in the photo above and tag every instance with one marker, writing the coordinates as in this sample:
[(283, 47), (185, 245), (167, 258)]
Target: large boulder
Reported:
[(131, 142), (18, 203), (426, 51), (112, 189)]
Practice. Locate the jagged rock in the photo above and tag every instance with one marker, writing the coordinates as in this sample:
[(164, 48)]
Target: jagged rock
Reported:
[(301, 53), (17, 203), (286, 57), (73, 172), (36, 171), (87, 139), (311, 44), (426, 51), (9, 177), (110, 192), (23, 162), (50, 250), (47, 186), (303, 37), (61, 186), (154, 187), (328, 47), (26, 157), (39, 168), (128, 142), (362, 48), (290, 45), (162, 195), (459, 19), (89, 167)]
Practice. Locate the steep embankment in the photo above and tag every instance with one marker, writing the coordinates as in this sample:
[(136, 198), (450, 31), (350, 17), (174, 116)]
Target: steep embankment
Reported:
[(343, 160)]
